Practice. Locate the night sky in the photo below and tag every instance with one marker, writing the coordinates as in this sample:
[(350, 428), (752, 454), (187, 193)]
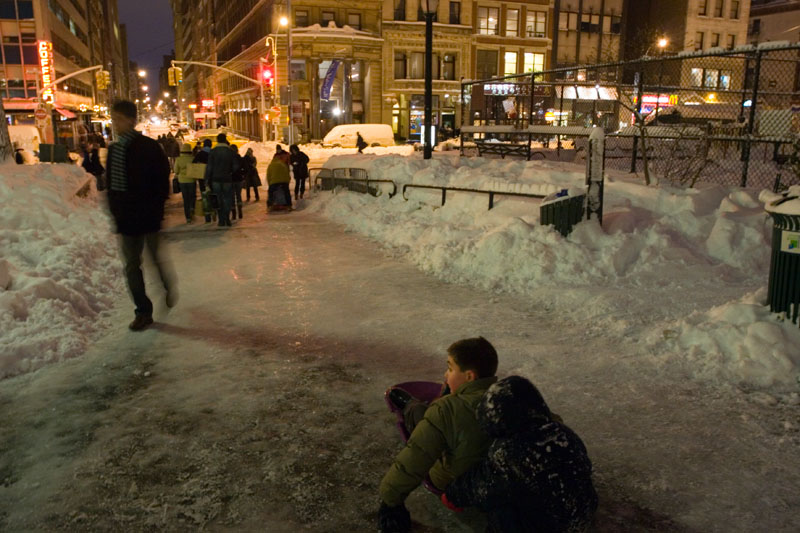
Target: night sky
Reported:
[(150, 34)]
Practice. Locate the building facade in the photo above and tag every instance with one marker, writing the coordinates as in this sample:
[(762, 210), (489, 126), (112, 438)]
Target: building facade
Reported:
[(49, 39), (774, 20)]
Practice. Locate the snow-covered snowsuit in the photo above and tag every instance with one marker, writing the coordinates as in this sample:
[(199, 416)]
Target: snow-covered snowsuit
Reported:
[(537, 473)]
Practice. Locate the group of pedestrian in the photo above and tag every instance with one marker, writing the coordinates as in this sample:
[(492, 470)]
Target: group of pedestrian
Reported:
[(171, 146), (279, 177)]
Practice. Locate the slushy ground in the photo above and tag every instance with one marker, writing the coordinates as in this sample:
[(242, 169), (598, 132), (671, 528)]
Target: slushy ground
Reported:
[(257, 403)]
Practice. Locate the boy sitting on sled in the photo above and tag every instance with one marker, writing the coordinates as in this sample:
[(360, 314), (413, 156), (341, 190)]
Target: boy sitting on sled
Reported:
[(446, 439)]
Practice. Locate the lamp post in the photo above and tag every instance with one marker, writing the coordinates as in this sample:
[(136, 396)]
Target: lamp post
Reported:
[(429, 7), (662, 45), (286, 23)]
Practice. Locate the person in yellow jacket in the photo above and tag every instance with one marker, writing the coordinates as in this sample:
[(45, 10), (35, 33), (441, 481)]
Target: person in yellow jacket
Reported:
[(187, 182), (278, 178)]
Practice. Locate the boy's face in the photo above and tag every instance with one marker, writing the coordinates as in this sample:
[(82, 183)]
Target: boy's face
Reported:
[(454, 377)]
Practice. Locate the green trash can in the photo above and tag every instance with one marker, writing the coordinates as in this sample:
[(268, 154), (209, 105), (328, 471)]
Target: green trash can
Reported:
[(562, 210), (784, 270)]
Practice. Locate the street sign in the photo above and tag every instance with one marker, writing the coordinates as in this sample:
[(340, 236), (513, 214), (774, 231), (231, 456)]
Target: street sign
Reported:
[(40, 113)]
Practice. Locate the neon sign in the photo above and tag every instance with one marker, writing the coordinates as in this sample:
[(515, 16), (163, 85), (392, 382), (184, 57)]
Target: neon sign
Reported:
[(208, 103), (46, 66)]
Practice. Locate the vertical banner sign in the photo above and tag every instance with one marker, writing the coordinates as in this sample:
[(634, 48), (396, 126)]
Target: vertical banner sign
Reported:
[(48, 72), (329, 77)]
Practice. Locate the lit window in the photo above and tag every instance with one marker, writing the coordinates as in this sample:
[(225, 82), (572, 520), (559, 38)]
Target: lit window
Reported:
[(488, 20), (510, 63), (512, 22), (536, 24)]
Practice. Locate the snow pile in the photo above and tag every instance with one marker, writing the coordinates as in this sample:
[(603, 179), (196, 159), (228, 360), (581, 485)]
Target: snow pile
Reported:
[(741, 342), (59, 267), (661, 254)]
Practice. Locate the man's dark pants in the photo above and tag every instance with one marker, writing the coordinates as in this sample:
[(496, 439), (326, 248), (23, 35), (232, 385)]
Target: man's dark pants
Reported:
[(224, 192), (132, 248), (299, 187), (189, 193)]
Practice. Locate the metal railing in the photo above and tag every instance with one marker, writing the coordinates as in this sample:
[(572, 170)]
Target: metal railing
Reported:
[(353, 179), (491, 194)]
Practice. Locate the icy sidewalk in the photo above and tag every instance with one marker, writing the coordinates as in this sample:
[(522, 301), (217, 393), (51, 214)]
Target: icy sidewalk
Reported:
[(256, 404)]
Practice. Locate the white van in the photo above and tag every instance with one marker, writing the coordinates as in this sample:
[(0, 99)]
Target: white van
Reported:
[(25, 136), (345, 135)]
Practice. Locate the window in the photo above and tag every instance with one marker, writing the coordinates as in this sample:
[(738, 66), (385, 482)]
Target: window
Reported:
[(417, 65), (30, 55), (616, 24), (455, 12), (696, 77), (7, 10), (725, 79), (563, 22), (755, 27), (328, 16), (399, 66), (710, 78), (354, 20), (718, 8), (298, 69), (533, 62), (399, 9), (702, 7), (512, 22), (734, 9), (421, 14), (355, 71), (698, 40), (25, 9), (486, 64), (28, 37), (536, 24), (510, 63), (590, 23), (449, 67), (731, 42), (301, 18), (573, 21), (12, 55), (487, 20), (714, 40), (435, 67)]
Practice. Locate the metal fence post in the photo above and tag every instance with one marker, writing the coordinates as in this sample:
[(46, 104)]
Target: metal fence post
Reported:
[(461, 117), (751, 121), (638, 81)]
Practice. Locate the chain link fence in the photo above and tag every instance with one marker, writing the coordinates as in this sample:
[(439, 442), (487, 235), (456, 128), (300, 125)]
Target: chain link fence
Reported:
[(728, 117)]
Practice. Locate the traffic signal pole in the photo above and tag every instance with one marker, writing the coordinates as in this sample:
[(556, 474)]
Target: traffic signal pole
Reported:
[(248, 78)]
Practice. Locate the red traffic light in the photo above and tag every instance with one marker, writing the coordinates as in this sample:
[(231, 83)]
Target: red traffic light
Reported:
[(267, 75)]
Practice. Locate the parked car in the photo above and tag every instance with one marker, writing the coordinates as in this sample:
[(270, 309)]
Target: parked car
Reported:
[(345, 135)]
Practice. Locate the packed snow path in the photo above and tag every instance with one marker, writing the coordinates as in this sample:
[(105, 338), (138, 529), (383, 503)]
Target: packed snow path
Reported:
[(257, 403)]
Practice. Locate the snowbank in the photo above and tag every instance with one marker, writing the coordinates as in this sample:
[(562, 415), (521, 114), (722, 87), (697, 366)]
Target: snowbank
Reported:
[(741, 342), (661, 254), (59, 268)]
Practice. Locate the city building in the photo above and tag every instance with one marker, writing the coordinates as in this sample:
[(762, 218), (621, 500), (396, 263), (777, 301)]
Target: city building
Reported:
[(587, 31), (774, 20), (44, 40)]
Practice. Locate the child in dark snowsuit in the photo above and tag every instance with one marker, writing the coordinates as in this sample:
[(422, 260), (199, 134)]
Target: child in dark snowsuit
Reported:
[(537, 473)]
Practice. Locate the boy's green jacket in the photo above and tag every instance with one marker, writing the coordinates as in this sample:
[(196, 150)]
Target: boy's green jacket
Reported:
[(444, 445)]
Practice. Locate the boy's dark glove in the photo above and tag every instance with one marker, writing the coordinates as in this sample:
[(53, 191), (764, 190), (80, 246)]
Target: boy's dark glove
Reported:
[(450, 505), (394, 519)]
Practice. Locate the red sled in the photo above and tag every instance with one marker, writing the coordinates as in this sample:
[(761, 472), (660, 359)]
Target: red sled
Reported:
[(425, 391)]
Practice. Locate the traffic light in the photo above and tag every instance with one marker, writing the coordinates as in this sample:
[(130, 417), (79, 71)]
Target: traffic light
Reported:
[(102, 78), (178, 75), (171, 76), (268, 76)]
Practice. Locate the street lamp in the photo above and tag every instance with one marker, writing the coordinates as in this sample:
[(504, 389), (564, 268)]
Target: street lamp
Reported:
[(144, 88), (662, 43), (166, 94), (429, 7), (142, 73), (284, 21)]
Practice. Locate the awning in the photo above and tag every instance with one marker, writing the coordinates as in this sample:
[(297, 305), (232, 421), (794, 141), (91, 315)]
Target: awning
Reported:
[(66, 112), (20, 105)]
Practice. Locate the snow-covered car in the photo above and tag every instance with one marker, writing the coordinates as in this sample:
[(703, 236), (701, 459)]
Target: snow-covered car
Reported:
[(345, 135)]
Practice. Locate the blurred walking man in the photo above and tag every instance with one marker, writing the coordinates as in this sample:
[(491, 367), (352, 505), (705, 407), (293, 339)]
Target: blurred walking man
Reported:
[(138, 186)]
